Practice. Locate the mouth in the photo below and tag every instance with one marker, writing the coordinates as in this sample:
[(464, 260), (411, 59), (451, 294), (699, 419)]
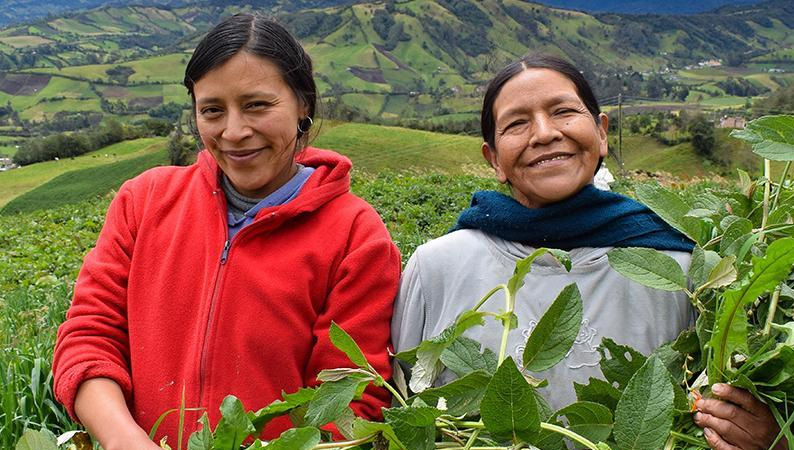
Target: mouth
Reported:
[(241, 155), (549, 158)]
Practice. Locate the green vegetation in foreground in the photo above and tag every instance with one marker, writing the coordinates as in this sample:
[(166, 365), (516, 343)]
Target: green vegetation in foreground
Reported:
[(77, 185), (18, 181)]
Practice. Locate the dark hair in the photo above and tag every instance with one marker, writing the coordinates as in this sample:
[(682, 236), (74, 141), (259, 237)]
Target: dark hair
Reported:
[(535, 61), (259, 36)]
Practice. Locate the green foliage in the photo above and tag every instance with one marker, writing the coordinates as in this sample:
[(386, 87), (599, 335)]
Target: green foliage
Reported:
[(772, 137), (739, 272), (649, 267), (645, 410), (509, 409), (702, 131), (556, 331)]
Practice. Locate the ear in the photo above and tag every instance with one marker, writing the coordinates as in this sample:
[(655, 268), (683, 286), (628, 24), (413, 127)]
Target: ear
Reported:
[(490, 155), (603, 126)]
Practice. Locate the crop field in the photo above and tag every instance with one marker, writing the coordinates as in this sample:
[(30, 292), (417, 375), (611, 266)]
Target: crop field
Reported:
[(77, 185), (374, 148), (18, 181), (24, 41)]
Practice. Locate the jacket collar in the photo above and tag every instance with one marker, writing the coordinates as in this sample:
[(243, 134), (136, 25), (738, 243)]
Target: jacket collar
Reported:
[(331, 178)]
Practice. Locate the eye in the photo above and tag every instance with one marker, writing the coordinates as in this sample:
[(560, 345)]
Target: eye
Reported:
[(563, 111), (211, 112), (514, 124), (257, 105)]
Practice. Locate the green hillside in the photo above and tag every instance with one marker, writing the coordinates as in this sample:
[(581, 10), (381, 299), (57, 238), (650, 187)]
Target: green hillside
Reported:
[(391, 60), (78, 185), (18, 181), (373, 149)]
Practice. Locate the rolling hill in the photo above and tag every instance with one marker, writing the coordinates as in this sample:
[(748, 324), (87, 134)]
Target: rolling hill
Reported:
[(390, 60)]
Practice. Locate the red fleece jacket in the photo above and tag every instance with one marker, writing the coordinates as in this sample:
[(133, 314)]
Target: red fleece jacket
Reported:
[(157, 307)]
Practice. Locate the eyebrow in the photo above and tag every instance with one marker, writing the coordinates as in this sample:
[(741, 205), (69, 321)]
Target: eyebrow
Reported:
[(244, 97)]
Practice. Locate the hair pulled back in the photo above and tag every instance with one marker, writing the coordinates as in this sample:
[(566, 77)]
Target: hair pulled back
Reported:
[(259, 36), (534, 61)]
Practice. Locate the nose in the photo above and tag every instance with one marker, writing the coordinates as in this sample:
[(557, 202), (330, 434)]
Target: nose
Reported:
[(236, 128), (544, 131)]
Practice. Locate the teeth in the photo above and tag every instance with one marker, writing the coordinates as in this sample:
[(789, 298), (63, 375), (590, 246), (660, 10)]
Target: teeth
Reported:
[(540, 163)]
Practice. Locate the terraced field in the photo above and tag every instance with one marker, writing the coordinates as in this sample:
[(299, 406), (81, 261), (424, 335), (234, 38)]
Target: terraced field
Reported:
[(18, 181)]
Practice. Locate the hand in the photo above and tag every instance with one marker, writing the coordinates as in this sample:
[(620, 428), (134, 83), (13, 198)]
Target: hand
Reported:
[(736, 421)]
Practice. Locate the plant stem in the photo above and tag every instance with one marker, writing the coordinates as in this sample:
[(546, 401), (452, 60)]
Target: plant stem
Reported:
[(780, 185), (505, 325), (472, 440), (770, 315), (395, 394), (767, 189), (689, 439), (489, 294), (569, 434), (345, 444)]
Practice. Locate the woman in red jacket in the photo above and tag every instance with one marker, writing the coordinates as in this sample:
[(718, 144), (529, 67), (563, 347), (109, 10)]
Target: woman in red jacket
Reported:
[(223, 277)]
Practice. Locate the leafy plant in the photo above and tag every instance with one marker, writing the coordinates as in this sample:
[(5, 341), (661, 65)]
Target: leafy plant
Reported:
[(739, 280)]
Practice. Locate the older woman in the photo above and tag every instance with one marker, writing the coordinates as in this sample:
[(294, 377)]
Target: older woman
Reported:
[(223, 277), (545, 137)]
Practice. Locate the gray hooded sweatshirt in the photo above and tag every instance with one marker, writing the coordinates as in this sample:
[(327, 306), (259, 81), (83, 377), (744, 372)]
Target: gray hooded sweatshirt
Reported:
[(449, 275)]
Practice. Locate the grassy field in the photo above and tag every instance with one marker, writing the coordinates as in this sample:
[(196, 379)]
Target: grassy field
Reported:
[(78, 185), (374, 149), (18, 181)]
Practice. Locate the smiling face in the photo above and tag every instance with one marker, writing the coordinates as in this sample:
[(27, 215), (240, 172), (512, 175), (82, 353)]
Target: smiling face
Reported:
[(247, 117), (547, 144)]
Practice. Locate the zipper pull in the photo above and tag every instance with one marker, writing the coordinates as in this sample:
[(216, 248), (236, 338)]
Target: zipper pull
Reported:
[(225, 253)]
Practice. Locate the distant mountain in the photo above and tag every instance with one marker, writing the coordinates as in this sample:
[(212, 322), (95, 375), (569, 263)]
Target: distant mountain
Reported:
[(645, 6), (385, 58), (23, 11)]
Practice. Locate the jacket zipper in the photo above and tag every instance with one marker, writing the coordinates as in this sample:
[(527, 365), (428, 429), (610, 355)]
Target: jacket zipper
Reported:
[(216, 288), (218, 277)]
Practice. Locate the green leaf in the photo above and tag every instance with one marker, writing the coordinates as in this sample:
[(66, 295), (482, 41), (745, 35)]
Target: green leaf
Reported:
[(341, 373), (734, 235), (556, 331), (775, 369), (344, 423), (645, 411), (330, 401), (730, 327), (201, 439), (563, 257), (425, 357), (462, 395), (36, 440), (280, 407), (296, 439), (701, 264), (670, 207), (522, 269), (364, 428), (463, 357), (234, 426), (598, 391), (772, 137), (509, 410), (619, 362), (723, 274), (648, 267), (588, 419), (344, 342), (414, 426)]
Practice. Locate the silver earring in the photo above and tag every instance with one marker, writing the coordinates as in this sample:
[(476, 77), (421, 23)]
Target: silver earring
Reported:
[(300, 129)]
